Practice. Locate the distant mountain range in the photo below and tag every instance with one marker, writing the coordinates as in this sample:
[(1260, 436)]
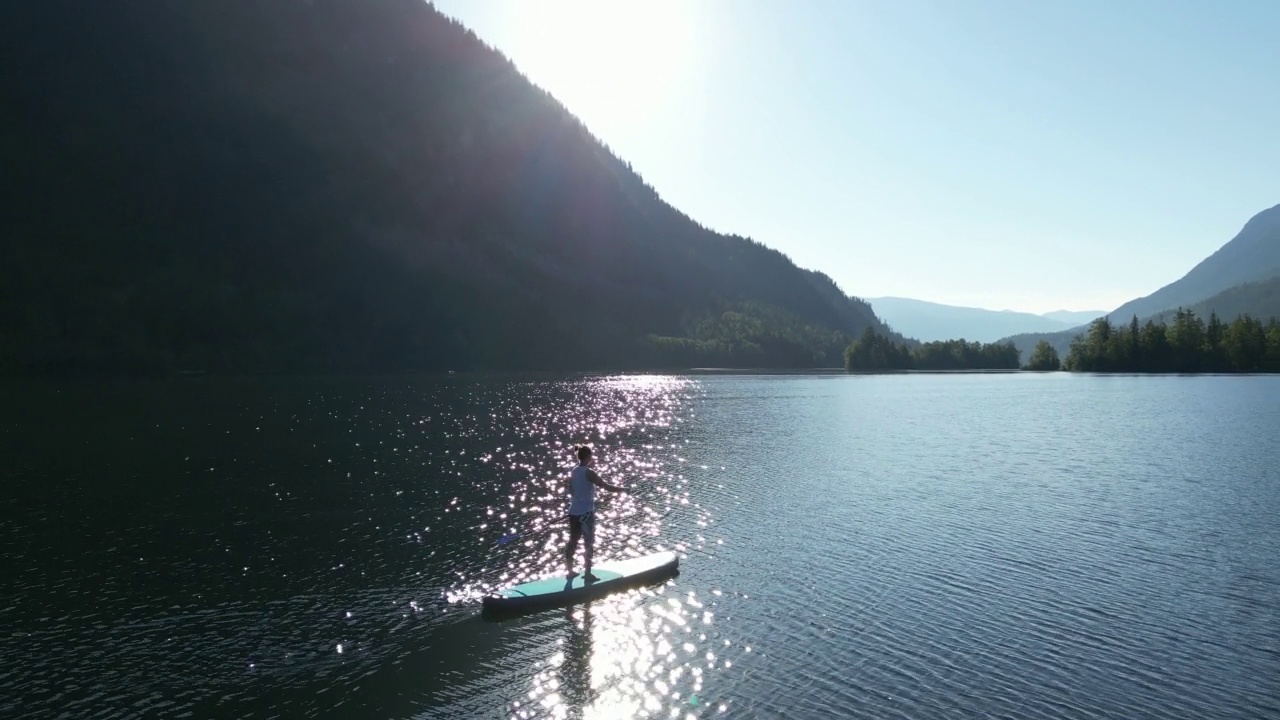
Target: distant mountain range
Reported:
[(927, 321), (343, 186), (1074, 317), (1240, 278)]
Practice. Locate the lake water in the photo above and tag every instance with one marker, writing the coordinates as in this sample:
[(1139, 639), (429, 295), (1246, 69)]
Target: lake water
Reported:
[(917, 546)]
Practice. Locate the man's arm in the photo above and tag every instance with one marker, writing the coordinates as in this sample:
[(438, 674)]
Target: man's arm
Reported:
[(599, 481)]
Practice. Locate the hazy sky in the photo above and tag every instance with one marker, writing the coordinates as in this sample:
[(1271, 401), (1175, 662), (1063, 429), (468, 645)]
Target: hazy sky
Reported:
[(1024, 155)]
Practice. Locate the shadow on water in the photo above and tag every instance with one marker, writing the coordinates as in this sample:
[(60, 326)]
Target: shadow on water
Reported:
[(571, 596), (436, 671), (575, 669), (453, 664)]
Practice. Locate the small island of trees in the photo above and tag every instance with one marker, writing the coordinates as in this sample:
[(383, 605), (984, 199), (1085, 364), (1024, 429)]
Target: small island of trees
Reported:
[(1189, 345), (874, 351)]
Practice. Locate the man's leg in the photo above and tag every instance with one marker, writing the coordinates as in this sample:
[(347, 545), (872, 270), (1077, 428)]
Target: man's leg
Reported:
[(589, 535), (575, 531)]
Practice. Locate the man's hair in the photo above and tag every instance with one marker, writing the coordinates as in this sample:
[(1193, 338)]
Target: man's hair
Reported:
[(584, 452)]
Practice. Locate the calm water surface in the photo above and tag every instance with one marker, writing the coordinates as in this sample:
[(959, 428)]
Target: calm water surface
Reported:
[(933, 546)]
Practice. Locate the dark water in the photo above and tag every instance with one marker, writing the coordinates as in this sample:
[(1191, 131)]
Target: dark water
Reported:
[(1005, 546)]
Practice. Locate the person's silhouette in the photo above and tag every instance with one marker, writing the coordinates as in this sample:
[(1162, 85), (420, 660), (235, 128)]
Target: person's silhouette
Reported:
[(575, 671)]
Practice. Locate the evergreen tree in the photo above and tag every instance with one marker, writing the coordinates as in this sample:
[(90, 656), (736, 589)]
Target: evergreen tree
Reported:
[(874, 351), (1187, 338), (1044, 357), (1154, 345), (1098, 343), (1190, 345), (1214, 332), (1272, 363), (1135, 343)]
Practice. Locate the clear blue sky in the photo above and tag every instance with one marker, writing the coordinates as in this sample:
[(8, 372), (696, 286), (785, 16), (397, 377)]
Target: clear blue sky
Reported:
[(1019, 154)]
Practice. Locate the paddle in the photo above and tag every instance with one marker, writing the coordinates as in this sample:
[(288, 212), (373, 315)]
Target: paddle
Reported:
[(516, 535)]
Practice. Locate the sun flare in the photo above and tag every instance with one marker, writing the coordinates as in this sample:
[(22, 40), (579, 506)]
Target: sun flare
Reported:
[(610, 63)]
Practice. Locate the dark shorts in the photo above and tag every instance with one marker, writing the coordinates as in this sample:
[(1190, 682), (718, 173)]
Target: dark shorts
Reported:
[(584, 524)]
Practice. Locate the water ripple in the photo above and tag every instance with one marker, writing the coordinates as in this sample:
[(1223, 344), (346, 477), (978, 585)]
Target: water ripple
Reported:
[(880, 547)]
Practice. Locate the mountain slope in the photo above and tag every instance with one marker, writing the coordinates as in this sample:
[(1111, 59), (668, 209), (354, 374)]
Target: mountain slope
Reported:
[(1252, 255), (346, 185), (1260, 300), (928, 321)]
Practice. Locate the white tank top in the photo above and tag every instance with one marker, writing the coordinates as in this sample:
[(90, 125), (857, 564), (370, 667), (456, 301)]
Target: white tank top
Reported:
[(582, 492)]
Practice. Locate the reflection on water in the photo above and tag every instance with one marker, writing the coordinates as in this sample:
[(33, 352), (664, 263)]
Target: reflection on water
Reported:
[(627, 659), (628, 421), (577, 687), (630, 655), (320, 546), (887, 547)]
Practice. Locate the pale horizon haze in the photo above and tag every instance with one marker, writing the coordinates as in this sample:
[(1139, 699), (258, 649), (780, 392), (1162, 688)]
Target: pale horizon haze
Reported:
[(1002, 155)]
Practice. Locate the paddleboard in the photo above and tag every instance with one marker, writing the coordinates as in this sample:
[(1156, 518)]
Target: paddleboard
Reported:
[(559, 591)]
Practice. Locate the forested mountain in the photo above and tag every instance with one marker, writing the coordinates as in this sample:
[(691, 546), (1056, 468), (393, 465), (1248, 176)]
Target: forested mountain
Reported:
[(1260, 300), (1234, 280), (929, 321), (346, 185)]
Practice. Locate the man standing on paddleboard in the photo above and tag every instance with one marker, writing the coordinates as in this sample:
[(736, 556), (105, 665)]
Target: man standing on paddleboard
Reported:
[(582, 506)]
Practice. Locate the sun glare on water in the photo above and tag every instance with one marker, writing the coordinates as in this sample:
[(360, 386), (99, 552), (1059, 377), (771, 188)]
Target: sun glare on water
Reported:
[(610, 63)]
